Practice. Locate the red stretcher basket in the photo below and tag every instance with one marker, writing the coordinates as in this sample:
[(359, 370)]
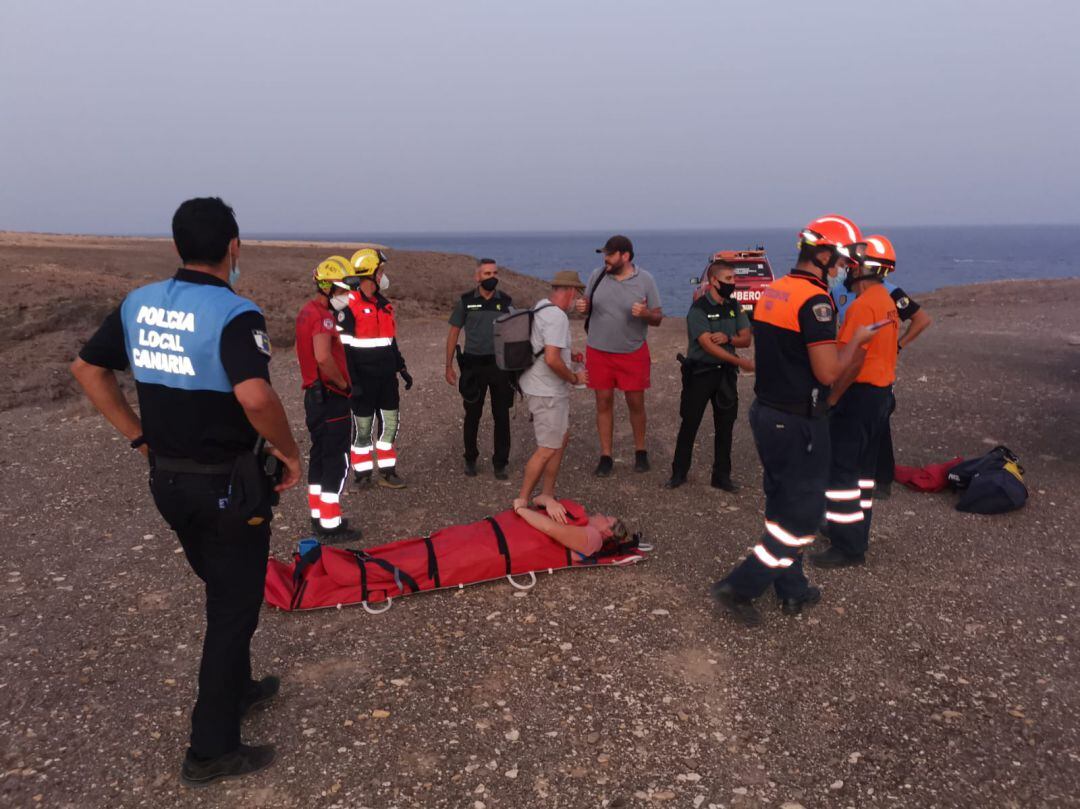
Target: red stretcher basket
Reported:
[(502, 546)]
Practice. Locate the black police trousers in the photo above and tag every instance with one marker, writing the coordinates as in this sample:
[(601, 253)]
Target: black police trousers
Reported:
[(855, 426), (229, 555), (716, 386), (886, 460), (329, 421), (487, 380), (794, 453)]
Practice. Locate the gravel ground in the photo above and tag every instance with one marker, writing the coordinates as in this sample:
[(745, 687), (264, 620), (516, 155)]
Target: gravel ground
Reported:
[(943, 673)]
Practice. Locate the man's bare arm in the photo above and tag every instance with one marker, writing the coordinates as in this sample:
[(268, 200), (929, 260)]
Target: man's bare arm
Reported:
[(103, 391)]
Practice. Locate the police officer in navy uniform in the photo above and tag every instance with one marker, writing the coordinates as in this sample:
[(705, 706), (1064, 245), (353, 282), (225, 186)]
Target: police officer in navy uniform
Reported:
[(796, 360), (200, 355), (475, 312)]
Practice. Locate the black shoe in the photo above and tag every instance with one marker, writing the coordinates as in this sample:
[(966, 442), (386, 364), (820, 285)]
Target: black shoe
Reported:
[(315, 525), (834, 557), (605, 467), (674, 482), (500, 473), (726, 484), (883, 491), (794, 606), (339, 535), (641, 460), (362, 480), (470, 469), (741, 608), (260, 693), (244, 760), (391, 480)]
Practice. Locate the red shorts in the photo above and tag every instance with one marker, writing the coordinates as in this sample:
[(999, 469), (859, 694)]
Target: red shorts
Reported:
[(626, 372)]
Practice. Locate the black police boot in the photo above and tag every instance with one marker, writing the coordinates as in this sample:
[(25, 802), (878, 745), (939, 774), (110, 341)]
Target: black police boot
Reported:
[(725, 484), (741, 608), (794, 606), (500, 473), (338, 535), (605, 467), (390, 479), (244, 760), (260, 693), (363, 480), (470, 468), (674, 482), (641, 460), (834, 557)]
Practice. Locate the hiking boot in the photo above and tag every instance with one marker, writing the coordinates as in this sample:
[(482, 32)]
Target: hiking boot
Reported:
[(470, 469), (500, 473), (794, 606), (260, 693), (339, 535), (674, 482), (883, 491), (834, 558), (362, 480), (391, 480), (605, 467), (641, 460), (725, 484), (740, 608), (242, 761)]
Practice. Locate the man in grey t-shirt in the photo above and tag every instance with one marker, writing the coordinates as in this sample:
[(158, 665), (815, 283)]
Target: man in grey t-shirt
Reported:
[(546, 385), (621, 301)]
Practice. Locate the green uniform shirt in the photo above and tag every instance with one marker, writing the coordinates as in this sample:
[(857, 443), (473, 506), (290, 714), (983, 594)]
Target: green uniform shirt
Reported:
[(706, 317), (476, 315)]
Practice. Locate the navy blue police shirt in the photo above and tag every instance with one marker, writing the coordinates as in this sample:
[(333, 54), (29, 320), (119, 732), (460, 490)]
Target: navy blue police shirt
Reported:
[(187, 340)]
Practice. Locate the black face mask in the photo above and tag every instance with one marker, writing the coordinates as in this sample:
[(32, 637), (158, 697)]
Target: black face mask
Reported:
[(489, 284), (725, 290)]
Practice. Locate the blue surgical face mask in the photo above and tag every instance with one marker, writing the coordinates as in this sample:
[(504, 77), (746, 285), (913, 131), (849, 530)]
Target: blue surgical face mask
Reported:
[(837, 281), (234, 274)]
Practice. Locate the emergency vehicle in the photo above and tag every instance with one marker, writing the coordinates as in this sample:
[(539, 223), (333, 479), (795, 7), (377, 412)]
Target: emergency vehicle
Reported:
[(752, 274)]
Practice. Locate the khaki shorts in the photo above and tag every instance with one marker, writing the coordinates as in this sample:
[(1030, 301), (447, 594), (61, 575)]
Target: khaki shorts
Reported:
[(550, 418)]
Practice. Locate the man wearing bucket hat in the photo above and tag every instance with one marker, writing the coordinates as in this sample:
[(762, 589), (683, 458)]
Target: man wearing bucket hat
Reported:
[(546, 385), (475, 313)]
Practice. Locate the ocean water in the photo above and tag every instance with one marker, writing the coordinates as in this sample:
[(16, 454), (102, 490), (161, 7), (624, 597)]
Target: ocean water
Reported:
[(927, 257)]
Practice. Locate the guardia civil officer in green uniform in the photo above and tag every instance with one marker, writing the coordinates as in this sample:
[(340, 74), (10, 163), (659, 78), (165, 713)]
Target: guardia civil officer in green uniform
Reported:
[(200, 357), (475, 312), (715, 326)]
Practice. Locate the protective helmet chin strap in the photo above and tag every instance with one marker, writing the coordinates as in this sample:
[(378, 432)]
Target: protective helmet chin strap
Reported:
[(834, 256)]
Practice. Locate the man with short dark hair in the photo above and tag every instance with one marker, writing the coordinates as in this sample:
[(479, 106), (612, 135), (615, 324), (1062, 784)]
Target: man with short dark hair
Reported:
[(715, 325), (621, 301), (200, 357), (476, 312)]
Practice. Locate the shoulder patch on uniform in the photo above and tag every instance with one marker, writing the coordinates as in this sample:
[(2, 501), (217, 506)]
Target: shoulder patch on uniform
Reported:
[(823, 312), (262, 341), (903, 302), (843, 299), (327, 324), (341, 317)]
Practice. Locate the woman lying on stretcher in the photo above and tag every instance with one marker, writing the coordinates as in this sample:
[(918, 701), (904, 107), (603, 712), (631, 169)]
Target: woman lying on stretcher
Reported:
[(585, 539)]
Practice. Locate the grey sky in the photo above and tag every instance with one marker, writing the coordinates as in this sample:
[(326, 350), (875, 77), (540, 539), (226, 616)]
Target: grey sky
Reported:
[(433, 115)]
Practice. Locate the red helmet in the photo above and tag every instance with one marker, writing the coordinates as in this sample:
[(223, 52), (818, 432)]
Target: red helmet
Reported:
[(880, 256), (837, 232)]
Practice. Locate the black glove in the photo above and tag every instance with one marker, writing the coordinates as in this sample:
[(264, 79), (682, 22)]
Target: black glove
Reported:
[(406, 378)]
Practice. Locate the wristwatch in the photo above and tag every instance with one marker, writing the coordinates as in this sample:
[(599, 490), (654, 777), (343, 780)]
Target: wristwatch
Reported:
[(138, 442)]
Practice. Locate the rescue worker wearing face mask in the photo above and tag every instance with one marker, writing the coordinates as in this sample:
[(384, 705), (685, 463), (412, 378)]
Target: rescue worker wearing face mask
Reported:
[(918, 320), (325, 379), (796, 359), (860, 400), (715, 325), (368, 331), (475, 312)]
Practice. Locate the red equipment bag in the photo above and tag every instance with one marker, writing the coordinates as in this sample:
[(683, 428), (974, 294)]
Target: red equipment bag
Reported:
[(500, 546), (930, 478)]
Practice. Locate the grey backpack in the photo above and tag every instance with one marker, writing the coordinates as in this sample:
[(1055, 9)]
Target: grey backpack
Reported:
[(513, 339)]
